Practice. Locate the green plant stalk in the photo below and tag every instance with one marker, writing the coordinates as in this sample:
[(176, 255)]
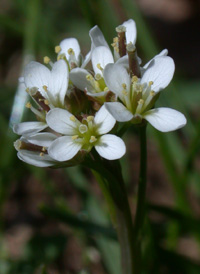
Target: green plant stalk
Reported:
[(115, 188), (141, 203)]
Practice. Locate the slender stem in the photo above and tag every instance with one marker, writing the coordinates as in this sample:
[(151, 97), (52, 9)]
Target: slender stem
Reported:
[(141, 204), (111, 172)]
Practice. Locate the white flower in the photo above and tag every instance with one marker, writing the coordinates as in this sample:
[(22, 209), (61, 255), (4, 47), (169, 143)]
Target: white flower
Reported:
[(138, 96), (93, 85), (69, 48), (48, 89), (101, 55), (33, 150), (84, 135)]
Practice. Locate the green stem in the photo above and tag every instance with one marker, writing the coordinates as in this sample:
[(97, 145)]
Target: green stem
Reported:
[(141, 204), (111, 172)]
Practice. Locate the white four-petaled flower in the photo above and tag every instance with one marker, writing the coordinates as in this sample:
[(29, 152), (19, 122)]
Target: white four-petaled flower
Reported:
[(136, 97), (90, 132)]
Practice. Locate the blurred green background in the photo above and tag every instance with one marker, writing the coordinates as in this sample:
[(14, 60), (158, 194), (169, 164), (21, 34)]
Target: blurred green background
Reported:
[(56, 221)]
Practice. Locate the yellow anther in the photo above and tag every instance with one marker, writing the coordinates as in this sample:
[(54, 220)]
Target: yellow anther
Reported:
[(93, 139), (74, 137), (72, 118), (124, 86), (116, 49), (41, 154), (106, 89), (45, 88), (115, 40), (114, 45), (57, 49), (140, 102), (71, 51), (99, 66), (90, 118), (44, 149), (134, 79), (98, 76), (89, 77), (150, 83), (28, 105), (27, 90), (125, 92), (61, 56), (47, 60), (46, 102), (152, 93)]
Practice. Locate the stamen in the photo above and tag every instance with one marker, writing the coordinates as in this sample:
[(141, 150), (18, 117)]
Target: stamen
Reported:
[(41, 154), (47, 60), (150, 83), (152, 93), (61, 56), (124, 86), (89, 77), (27, 90), (57, 49), (72, 118), (90, 118), (44, 149), (46, 102), (45, 88), (99, 66), (93, 139), (140, 106), (134, 79), (106, 89), (28, 105), (125, 92), (75, 137), (115, 40)]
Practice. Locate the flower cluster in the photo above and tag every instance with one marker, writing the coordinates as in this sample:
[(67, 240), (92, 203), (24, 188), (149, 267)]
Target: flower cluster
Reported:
[(77, 101)]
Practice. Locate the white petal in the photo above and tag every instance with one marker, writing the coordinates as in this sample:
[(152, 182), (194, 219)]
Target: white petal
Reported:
[(115, 75), (78, 78), (68, 43), (86, 60), (37, 75), (59, 120), (58, 83), (104, 120), (111, 147), (34, 158), (97, 38), (64, 148), (43, 139), (160, 71), (28, 128), (97, 94), (164, 52), (119, 111), (123, 61), (165, 119), (131, 31), (103, 56)]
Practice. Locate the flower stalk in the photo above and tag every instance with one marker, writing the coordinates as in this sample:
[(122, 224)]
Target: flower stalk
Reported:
[(141, 203), (121, 217)]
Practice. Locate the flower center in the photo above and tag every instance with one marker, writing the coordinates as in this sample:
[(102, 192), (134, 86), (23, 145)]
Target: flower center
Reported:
[(86, 133)]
